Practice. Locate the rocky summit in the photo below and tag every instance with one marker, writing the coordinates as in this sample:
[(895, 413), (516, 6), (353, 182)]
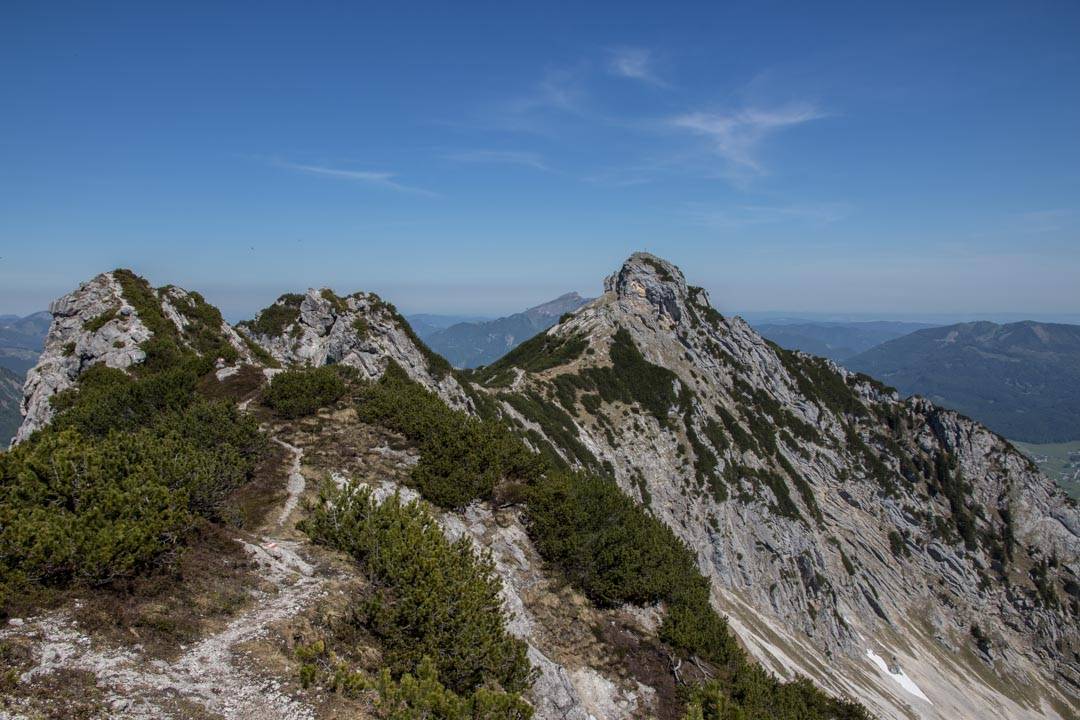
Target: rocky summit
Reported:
[(905, 560)]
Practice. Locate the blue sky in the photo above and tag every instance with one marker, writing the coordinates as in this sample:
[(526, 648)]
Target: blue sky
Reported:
[(481, 157)]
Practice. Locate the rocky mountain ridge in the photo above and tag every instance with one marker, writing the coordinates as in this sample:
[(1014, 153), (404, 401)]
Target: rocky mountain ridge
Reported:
[(10, 399), (835, 519), (106, 321), (360, 330), (889, 550)]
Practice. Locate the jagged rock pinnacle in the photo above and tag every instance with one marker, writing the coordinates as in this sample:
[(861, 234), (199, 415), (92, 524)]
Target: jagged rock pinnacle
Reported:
[(650, 282)]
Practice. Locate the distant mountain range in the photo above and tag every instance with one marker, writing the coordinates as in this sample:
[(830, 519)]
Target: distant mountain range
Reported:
[(21, 340), (471, 344), (1020, 379), (836, 340), (426, 324)]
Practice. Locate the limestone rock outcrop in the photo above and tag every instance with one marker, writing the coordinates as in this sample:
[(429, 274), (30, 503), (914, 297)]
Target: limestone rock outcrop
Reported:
[(94, 324), (99, 324), (360, 330)]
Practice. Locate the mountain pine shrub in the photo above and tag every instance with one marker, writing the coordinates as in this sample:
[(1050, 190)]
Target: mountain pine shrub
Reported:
[(113, 486), (432, 598), (272, 321), (423, 696), (303, 391), (461, 458)]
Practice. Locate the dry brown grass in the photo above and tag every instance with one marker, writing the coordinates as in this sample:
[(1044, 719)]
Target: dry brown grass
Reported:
[(62, 695), (200, 592), (243, 385)]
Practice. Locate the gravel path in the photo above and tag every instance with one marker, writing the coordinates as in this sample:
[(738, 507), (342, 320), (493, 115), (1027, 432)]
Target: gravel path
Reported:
[(208, 674)]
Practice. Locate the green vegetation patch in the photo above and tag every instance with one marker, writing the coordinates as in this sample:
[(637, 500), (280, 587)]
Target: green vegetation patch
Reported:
[(203, 331), (631, 378), (540, 352), (556, 424), (272, 321), (163, 350), (303, 391), (433, 602), (361, 326), (94, 324), (462, 458), (818, 381), (754, 694), (336, 302), (659, 269), (608, 547), (113, 487)]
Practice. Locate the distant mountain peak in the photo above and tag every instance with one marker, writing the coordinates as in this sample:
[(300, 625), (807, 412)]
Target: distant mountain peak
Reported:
[(567, 302), (471, 344)]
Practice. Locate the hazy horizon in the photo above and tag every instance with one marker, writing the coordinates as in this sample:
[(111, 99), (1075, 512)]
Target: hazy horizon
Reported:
[(220, 297)]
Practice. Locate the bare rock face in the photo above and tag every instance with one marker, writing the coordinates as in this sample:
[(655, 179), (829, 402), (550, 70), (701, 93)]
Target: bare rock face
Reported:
[(839, 524), (361, 331), (91, 325), (98, 325)]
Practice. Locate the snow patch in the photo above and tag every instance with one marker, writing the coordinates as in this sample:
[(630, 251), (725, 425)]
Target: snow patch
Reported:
[(900, 676)]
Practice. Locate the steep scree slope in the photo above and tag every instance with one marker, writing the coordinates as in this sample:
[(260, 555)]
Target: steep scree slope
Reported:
[(843, 528)]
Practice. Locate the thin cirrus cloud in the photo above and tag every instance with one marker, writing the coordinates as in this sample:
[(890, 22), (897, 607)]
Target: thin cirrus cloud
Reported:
[(560, 90), (737, 136), (500, 157), (636, 64), (371, 177), (743, 216)]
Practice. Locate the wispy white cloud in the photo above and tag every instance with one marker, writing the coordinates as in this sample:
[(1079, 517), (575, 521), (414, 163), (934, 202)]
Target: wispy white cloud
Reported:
[(559, 90), (742, 216), (543, 108), (500, 157), (634, 63), (371, 177), (737, 136)]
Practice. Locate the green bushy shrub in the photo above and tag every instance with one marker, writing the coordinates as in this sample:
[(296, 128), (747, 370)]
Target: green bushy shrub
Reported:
[(604, 542), (273, 320), (432, 598), (423, 696), (111, 488), (303, 391), (108, 399), (754, 694), (78, 509), (632, 378), (461, 458), (540, 352)]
